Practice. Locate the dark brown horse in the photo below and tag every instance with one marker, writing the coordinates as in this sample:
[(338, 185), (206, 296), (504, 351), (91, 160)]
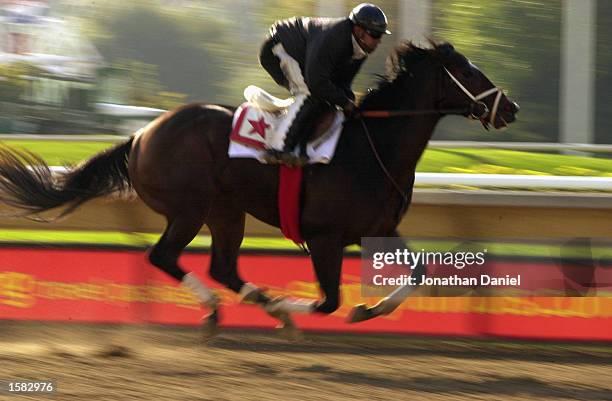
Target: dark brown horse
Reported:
[(180, 168)]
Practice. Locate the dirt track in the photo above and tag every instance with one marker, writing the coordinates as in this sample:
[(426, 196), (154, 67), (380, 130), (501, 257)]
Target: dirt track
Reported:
[(153, 363)]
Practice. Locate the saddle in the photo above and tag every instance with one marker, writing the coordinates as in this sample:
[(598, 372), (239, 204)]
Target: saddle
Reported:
[(254, 130), (256, 121)]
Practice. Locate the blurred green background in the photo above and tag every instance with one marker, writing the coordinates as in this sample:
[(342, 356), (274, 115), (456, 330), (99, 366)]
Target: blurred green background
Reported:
[(161, 53), (457, 160)]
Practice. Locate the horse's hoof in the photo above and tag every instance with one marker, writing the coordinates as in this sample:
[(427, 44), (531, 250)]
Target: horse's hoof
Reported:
[(290, 332), (210, 326), (287, 327), (361, 313), (273, 308)]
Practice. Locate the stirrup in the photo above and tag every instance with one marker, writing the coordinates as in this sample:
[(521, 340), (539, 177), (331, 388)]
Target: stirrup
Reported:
[(272, 156), (291, 160)]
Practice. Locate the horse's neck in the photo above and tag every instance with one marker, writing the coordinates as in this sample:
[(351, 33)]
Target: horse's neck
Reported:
[(402, 141)]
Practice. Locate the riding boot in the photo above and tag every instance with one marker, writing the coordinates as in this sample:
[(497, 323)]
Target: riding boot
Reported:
[(296, 134)]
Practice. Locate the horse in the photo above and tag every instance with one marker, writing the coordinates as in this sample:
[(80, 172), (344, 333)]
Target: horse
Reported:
[(179, 166)]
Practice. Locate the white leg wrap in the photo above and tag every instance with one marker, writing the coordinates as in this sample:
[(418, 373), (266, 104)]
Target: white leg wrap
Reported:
[(248, 292), (298, 305), (205, 294)]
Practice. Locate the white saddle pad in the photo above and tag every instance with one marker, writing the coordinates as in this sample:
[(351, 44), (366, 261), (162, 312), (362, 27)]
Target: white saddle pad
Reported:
[(254, 128)]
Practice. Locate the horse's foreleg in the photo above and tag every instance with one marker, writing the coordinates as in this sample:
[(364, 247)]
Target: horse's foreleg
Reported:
[(391, 302), (327, 254), (387, 305), (326, 257)]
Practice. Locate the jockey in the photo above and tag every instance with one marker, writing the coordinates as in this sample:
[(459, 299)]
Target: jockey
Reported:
[(316, 59)]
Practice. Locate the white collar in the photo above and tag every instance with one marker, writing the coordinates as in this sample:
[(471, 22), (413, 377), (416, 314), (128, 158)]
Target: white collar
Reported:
[(358, 52)]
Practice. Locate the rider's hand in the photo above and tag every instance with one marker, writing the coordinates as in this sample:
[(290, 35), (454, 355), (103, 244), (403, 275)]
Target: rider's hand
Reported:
[(351, 110)]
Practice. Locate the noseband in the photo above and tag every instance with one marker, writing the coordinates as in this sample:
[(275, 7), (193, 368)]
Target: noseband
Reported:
[(478, 109)]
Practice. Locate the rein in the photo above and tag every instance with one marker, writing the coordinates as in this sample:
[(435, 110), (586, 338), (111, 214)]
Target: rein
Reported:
[(384, 168), (409, 113), (481, 114)]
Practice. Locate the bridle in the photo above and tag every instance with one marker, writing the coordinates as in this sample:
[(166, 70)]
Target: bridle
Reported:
[(483, 112), (477, 110)]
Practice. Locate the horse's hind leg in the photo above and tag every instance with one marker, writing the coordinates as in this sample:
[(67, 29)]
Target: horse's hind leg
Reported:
[(180, 231), (227, 231)]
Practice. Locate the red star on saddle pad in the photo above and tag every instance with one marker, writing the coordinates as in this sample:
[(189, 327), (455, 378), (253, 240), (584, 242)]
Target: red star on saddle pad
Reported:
[(259, 126)]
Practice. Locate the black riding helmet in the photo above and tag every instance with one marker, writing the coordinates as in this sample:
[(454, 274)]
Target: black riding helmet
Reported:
[(371, 18)]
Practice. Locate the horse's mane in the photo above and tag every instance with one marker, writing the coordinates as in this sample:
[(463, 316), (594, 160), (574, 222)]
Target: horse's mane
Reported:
[(404, 59)]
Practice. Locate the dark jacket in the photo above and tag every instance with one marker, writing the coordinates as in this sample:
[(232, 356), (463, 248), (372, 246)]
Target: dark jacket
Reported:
[(324, 49)]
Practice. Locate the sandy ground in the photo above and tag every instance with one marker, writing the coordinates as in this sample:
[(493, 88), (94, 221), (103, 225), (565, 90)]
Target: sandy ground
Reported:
[(94, 362)]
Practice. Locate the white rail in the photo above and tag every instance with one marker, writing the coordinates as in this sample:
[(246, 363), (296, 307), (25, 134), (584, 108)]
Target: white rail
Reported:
[(504, 181), (516, 181), (527, 146)]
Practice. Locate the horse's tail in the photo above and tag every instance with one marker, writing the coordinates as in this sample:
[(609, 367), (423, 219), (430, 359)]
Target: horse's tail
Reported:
[(27, 182)]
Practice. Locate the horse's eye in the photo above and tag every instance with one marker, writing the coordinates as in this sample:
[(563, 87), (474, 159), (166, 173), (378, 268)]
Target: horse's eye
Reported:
[(468, 74)]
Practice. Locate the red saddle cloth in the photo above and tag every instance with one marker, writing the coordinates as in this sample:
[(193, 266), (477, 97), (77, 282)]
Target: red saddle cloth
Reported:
[(289, 205)]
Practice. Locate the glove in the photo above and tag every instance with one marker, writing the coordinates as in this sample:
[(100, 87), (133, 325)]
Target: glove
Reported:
[(351, 110)]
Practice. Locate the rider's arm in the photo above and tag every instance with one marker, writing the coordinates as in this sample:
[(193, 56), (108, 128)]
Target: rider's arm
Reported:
[(347, 79), (321, 59)]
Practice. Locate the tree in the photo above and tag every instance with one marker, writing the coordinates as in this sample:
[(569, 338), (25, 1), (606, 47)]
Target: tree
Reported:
[(517, 44), (175, 41), (603, 83), (14, 80)]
